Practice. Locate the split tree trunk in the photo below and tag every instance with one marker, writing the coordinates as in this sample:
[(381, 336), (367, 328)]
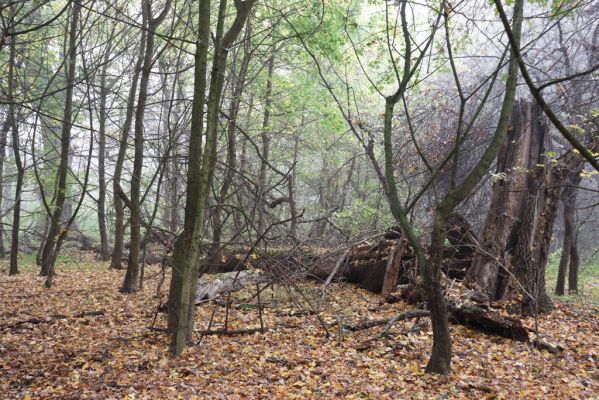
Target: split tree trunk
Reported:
[(487, 273), (181, 302)]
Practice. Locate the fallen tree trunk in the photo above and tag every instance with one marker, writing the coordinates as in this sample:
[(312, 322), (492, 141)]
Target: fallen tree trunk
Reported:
[(53, 318), (470, 315), (488, 321), (232, 282)]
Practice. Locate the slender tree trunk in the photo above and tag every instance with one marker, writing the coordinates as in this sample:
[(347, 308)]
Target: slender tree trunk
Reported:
[(265, 136), (12, 122), (119, 206), (131, 282), (181, 303), (50, 252), (237, 91), (569, 202), (3, 135), (291, 181), (185, 255), (104, 248), (573, 270)]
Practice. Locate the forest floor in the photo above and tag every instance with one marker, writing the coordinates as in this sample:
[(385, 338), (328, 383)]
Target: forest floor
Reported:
[(115, 356)]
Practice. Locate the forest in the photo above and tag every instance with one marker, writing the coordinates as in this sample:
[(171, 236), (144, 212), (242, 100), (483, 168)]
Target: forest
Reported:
[(299, 199)]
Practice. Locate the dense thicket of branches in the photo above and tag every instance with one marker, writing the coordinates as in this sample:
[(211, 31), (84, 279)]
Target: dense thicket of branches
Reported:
[(187, 130)]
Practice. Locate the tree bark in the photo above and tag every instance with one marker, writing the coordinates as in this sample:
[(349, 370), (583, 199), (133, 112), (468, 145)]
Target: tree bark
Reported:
[(131, 281), (51, 247), (119, 206), (181, 304), (12, 122), (104, 248), (3, 135), (507, 200), (231, 163), (265, 136), (569, 243)]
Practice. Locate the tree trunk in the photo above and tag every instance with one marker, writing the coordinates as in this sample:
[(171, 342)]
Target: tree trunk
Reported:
[(50, 252), (569, 202), (231, 165), (507, 201), (104, 248), (573, 271), (16, 219), (3, 135), (119, 207), (291, 192), (265, 136), (181, 302), (131, 281), (532, 235)]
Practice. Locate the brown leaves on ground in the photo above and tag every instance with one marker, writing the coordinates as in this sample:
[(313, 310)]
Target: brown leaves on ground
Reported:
[(116, 356)]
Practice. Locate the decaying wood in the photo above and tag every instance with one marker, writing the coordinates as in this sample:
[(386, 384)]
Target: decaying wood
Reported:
[(368, 263), (487, 320), (231, 282), (371, 323), (393, 268), (469, 315), (225, 332), (342, 261), (52, 318)]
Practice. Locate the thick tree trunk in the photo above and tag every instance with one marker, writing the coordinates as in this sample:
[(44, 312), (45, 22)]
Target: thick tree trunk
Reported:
[(531, 238), (506, 204)]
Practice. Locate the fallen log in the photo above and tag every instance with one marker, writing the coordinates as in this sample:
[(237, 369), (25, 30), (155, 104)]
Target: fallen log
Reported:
[(372, 323), (487, 320), (52, 318), (232, 282), (236, 332), (469, 315)]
